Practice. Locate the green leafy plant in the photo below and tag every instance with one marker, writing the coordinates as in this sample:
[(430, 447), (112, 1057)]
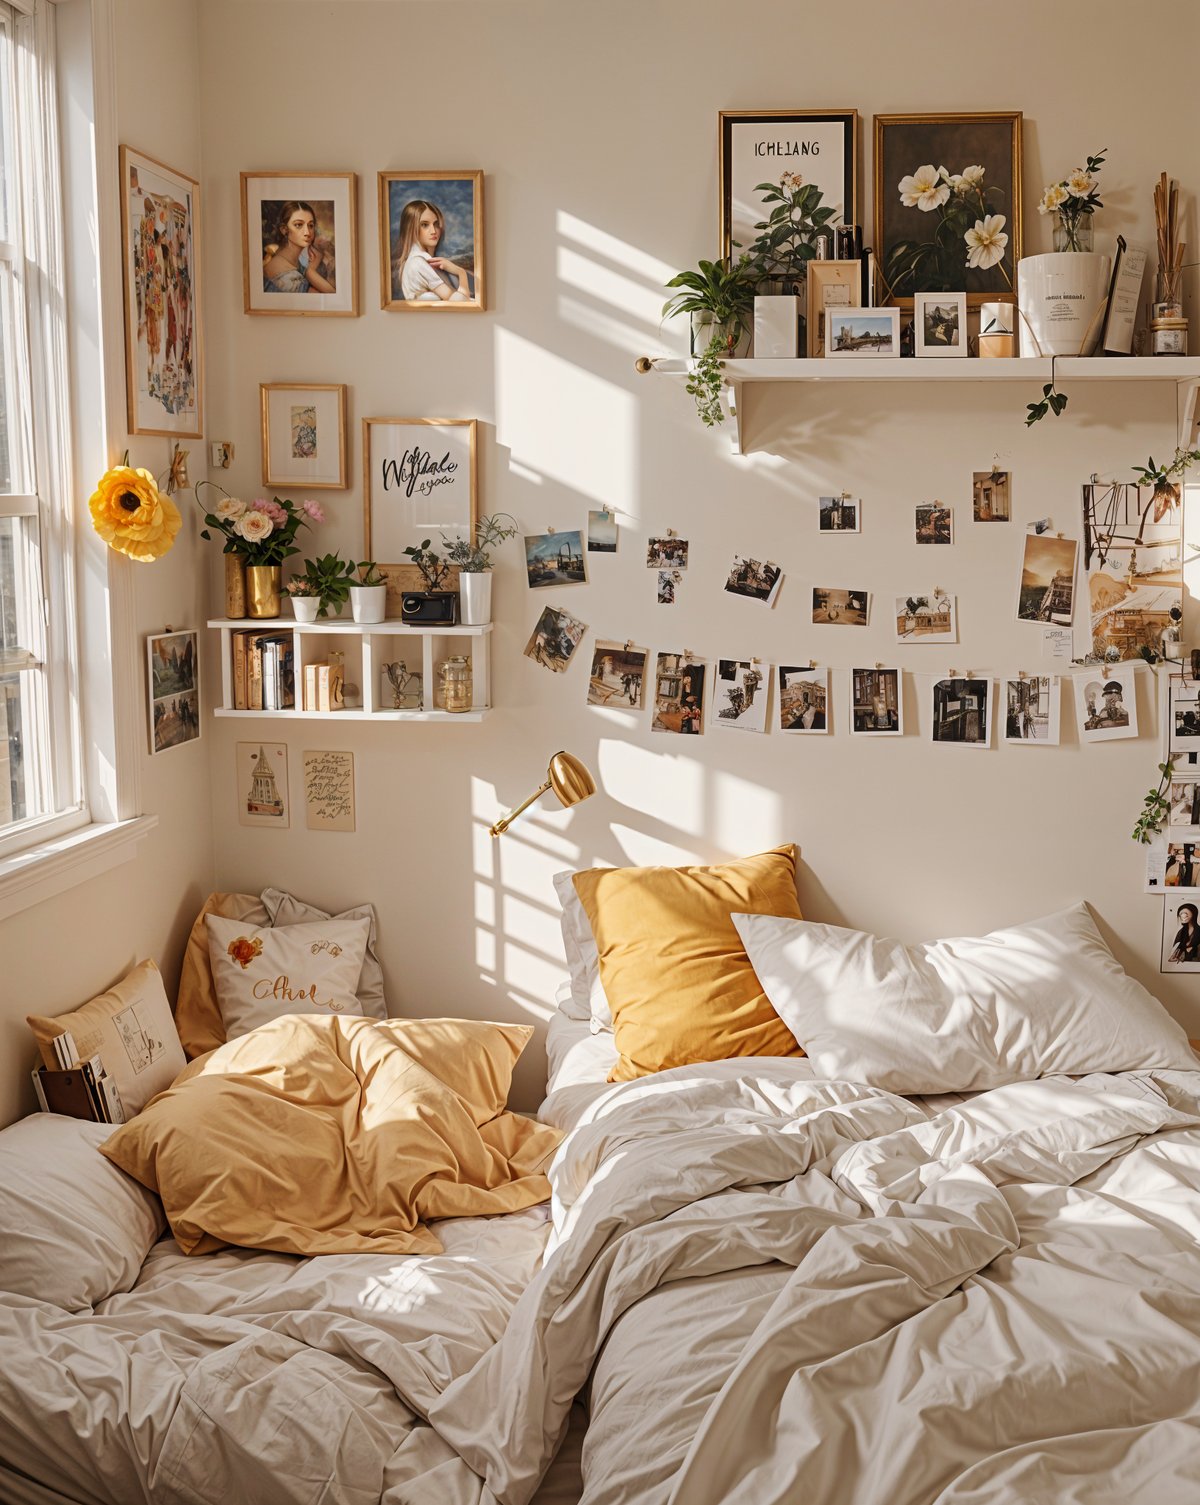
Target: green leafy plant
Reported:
[(1166, 492), (329, 577), (471, 554), (1053, 401), (434, 569), (368, 574), (788, 236), (1156, 807), (724, 290)]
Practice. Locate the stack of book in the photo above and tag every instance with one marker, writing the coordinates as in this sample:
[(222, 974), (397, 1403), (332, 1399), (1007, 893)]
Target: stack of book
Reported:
[(264, 673), (77, 1089), (323, 686)]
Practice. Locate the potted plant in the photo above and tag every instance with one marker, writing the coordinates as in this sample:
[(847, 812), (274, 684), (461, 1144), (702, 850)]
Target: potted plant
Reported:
[(328, 578), (1062, 295), (368, 592), (786, 243), (475, 565), (432, 604), (719, 297), (305, 598)]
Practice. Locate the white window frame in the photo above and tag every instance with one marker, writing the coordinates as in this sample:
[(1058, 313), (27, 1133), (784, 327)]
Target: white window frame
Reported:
[(78, 434)]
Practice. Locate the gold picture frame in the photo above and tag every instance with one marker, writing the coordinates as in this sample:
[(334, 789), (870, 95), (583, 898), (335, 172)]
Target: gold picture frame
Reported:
[(990, 139), (433, 281), (164, 347), (826, 278), (274, 283), (307, 429)]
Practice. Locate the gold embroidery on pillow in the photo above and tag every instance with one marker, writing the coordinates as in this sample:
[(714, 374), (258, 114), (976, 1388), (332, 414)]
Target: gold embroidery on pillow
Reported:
[(331, 946)]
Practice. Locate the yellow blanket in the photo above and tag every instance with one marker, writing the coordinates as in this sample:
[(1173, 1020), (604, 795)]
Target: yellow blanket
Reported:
[(315, 1135)]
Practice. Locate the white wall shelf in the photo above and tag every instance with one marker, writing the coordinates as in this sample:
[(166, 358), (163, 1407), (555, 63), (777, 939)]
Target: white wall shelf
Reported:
[(377, 642), (1181, 372)]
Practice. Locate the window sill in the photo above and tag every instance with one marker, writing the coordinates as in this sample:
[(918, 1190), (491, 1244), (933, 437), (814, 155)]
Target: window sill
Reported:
[(40, 872)]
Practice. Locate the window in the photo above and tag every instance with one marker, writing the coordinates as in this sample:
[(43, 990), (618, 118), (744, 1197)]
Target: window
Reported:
[(40, 788)]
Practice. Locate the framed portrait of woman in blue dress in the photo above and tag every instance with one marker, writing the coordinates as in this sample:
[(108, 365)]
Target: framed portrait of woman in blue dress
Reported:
[(300, 243)]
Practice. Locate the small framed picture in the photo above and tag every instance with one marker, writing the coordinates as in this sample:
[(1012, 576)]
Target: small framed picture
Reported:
[(160, 238), (300, 243), (830, 284), (418, 483), (876, 704), (262, 785), (839, 514), (303, 435), (431, 240), (991, 496), (803, 698), (1031, 709), (962, 712), (860, 333), (174, 689), (940, 321)]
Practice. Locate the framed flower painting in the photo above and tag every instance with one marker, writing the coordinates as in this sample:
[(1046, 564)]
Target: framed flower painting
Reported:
[(948, 204)]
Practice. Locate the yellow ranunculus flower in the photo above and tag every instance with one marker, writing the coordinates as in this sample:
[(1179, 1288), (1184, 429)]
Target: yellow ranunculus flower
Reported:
[(132, 515)]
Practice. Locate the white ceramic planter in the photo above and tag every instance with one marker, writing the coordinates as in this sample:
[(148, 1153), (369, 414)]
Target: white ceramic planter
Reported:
[(1061, 299), (475, 597), (368, 602), (703, 330), (776, 326), (304, 608)]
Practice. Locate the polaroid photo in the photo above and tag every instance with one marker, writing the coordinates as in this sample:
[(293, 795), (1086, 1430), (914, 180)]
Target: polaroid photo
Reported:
[(839, 514), (555, 559), (1185, 803), (667, 554), (928, 618), (803, 698), (940, 324), (1047, 590), (1032, 706), (1181, 866), (669, 582), (934, 523), (678, 695), (618, 677), (602, 532), (839, 608), (1183, 716), (554, 639), (962, 712), (757, 580), (991, 496), (740, 692), (1180, 936), (1106, 704), (876, 703)]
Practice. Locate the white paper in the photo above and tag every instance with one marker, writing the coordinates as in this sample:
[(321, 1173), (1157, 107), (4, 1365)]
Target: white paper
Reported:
[(1056, 643)]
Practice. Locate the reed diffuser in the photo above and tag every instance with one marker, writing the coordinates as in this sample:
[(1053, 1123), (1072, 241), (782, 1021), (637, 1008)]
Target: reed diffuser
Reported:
[(1168, 327)]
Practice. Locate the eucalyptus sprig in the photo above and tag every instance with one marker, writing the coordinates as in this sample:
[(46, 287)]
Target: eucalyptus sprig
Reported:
[(1154, 474), (1156, 806), (1053, 401)]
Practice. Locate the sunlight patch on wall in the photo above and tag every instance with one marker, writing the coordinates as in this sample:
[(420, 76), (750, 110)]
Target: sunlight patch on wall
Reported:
[(633, 299), (644, 850), (563, 421), (666, 786), (745, 816), (631, 340), (621, 253)]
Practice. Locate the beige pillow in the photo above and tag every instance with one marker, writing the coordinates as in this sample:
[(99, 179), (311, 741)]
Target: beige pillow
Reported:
[(197, 1012), (130, 1028), (264, 972)]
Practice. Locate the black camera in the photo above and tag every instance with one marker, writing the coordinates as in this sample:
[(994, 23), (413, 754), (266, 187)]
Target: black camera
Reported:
[(425, 608)]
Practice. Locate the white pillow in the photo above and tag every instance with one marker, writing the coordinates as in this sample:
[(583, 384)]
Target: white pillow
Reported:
[(583, 963), (262, 973), (1040, 999), (286, 909), (76, 1229)]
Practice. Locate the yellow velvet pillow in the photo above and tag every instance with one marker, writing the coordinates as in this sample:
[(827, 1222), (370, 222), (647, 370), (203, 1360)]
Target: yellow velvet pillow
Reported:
[(673, 967)]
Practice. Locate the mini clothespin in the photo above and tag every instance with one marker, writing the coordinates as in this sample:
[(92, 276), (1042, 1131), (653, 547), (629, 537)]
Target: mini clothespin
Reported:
[(878, 665), (845, 496), (812, 663), (756, 660), (628, 644), (687, 656), (1104, 671), (953, 672), (168, 628), (605, 513), (177, 475), (1021, 674), (969, 676), (550, 531), (671, 533)]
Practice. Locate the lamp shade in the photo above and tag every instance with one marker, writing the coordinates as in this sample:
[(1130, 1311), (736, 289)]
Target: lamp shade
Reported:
[(569, 779)]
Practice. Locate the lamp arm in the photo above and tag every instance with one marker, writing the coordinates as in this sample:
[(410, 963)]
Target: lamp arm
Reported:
[(505, 821)]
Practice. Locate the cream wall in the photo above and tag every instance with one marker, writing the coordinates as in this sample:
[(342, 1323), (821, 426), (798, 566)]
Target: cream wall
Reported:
[(596, 127), (61, 952)]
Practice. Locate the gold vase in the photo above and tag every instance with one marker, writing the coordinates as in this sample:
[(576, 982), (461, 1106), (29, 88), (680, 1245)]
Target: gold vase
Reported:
[(262, 590), (235, 586)]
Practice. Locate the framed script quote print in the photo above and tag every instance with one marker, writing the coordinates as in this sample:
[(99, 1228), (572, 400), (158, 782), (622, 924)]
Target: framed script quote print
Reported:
[(758, 146), (418, 483)]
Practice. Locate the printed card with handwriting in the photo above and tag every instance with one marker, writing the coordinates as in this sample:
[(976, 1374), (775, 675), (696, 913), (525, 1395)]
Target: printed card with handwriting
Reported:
[(329, 791)]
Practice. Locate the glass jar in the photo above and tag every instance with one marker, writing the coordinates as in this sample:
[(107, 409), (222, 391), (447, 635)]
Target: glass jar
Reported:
[(1169, 336), (454, 675), (1073, 232)]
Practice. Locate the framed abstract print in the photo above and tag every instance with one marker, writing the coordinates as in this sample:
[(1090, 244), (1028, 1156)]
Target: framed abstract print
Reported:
[(303, 435), (160, 240), (758, 146), (431, 241), (300, 243)]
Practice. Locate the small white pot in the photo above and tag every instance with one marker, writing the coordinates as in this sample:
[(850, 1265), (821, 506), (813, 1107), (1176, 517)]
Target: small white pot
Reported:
[(475, 597), (368, 603), (1061, 297), (305, 608)]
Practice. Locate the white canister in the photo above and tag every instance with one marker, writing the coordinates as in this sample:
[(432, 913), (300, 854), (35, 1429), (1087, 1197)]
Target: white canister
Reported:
[(474, 597), (776, 326), (1061, 297)]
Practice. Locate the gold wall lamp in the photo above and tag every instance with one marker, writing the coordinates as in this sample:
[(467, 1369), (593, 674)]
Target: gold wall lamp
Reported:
[(570, 781)]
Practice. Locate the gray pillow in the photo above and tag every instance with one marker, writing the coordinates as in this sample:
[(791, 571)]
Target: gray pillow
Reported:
[(286, 909)]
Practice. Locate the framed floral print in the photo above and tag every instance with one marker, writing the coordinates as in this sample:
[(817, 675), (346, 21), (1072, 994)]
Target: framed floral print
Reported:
[(948, 204), (300, 243), (431, 240), (160, 239), (303, 435)]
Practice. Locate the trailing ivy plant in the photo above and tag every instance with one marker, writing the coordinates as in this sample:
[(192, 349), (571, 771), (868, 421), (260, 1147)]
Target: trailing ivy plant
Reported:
[(724, 290), (1156, 807), (1052, 401), (705, 381)]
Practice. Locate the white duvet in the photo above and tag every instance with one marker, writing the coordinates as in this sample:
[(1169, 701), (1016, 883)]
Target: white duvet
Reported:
[(769, 1288)]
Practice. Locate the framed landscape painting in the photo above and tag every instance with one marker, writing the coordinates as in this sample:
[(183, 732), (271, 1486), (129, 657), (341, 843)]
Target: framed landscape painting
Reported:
[(173, 685), (160, 238), (431, 240), (300, 243), (948, 204)]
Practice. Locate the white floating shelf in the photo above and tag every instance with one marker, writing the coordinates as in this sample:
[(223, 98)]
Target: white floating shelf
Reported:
[(354, 713), (340, 625)]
